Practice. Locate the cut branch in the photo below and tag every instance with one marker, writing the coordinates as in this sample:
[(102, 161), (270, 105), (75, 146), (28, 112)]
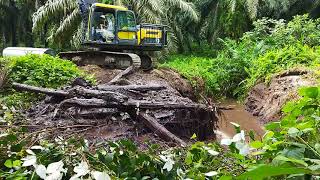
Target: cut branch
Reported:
[(105, 95), (88, 103), (158, 129), (160, 105), (131, 87), (100, 103), (120, 75), (50, 92)]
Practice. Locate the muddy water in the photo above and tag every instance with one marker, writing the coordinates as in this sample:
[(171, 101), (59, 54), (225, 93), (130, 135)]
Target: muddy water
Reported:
[(238, 115)]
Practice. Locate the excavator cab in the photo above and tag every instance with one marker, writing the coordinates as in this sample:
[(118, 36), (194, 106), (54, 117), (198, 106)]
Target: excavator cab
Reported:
[(115, 27)]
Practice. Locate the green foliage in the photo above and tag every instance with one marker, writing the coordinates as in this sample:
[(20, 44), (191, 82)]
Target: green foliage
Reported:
[(43, 71), (119, 160), (272, 46), (220, 75), (289, 148), (277, 60)]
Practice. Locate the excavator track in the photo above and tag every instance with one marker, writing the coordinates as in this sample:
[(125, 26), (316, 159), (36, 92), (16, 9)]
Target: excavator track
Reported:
[(108, 59)]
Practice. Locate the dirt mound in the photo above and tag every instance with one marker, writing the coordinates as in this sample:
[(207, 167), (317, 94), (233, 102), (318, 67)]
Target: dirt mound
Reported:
[(89, 118), (266, 101), (163, 75), (102, 75)]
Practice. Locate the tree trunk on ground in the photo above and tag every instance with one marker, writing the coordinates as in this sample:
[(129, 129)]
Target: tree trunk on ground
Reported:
[(157, 128)]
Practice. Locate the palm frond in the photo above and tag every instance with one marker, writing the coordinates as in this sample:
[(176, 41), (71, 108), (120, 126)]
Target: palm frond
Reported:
[(252, 6), (51, 10), (187, 8), (70, 23)]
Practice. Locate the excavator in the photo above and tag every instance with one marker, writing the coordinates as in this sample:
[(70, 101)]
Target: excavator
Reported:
[(112, 38)]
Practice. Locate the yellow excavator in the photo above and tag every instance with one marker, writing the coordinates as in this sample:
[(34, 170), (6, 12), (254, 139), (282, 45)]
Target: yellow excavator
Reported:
[(113, 39)]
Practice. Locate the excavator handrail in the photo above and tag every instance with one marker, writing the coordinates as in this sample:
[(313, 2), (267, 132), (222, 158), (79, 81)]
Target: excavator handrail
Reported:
[(150, 24)]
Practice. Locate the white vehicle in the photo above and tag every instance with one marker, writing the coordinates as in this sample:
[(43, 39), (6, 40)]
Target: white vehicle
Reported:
[(22, 51)]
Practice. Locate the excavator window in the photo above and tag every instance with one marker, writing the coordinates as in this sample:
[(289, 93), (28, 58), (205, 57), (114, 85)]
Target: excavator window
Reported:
[(103, 26), (126, 21)]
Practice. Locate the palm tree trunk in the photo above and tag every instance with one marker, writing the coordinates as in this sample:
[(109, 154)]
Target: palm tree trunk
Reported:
[(14, 16)]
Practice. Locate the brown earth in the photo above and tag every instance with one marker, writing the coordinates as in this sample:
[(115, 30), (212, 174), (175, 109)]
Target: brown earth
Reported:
[(265, 101), (119, 125), (165, 75)]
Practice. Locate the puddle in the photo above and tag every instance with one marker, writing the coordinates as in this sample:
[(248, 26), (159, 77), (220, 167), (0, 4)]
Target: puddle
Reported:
[(238, 115)]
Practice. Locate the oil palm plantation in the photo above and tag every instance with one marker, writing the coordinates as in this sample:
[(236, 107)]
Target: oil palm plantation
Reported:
[(231, 18)]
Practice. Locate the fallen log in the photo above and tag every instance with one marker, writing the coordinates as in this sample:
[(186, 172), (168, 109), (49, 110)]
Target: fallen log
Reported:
[(77, 91), (131, 104), (157, 128), (48, 91), (85, 103), (161, 105), (94, 113), (105, 95), (120, 75), (131, 87)]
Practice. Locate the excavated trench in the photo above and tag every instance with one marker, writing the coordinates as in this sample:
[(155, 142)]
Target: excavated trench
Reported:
[(236, 114), (207, 121), (223, 127), (83, 110)]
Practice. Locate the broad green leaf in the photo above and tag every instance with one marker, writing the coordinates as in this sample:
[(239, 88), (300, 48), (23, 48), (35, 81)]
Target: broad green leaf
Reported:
[(288, 107), (310, 92), (189, 158), (293, 152), (268, 135), (272, 126), (305, 125), (285, 159), (8, 163), (194, 136), (256, 144), (264, 171), (225, 178), (293, 132), (16, 163)]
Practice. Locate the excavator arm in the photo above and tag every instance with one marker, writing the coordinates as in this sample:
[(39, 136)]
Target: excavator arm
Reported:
[(84, 6)]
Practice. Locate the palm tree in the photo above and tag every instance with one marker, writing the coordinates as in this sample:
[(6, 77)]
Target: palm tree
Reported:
[(16, 22), (230, 18)]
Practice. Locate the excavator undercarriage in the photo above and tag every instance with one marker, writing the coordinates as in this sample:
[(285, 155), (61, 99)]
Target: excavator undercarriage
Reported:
[(108, 59)]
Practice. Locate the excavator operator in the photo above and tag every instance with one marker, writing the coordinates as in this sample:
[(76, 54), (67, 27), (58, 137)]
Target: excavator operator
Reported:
[(105, 31)]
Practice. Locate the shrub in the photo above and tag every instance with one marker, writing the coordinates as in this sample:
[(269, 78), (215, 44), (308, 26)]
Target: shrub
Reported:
[(220, 75), (259, 53), (43, 71), (277, 60)]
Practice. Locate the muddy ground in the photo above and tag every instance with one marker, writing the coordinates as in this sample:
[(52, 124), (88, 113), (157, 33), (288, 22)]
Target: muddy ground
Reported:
[(182, 123), (265, 101)]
